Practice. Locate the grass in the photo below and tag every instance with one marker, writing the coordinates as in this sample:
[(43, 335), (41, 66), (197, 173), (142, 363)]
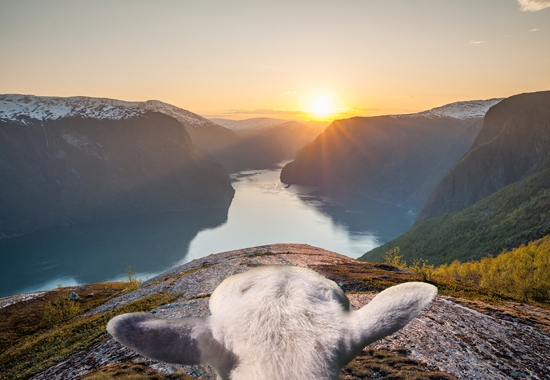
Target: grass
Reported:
[(385, 364), (44, 348), (132, 371), (24, 319)]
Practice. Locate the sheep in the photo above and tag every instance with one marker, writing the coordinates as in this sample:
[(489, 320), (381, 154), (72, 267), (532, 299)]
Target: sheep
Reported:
[(274, 322)]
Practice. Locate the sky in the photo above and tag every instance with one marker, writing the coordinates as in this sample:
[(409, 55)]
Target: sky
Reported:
[(292, 59)]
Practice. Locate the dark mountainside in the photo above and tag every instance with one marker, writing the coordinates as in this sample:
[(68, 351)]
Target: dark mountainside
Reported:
[(80, 167), (501, 187), (395, 159), (465, 333), (513, 144)]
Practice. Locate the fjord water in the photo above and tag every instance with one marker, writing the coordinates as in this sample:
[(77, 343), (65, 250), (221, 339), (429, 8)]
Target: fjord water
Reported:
[(264, 211)]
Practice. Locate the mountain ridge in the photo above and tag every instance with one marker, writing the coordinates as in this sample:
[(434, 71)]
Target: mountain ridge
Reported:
[(396, 158)]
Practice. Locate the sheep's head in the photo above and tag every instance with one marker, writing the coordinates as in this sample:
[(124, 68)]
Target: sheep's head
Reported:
[(274, 322)]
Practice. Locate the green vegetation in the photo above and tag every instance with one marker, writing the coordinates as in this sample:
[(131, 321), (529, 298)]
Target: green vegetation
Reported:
[(25, 319), (515, 215), (42, 349), (62, 308)]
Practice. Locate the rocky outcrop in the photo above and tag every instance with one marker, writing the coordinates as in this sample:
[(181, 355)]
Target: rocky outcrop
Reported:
[(513, 144), (465, 339), (80, 159)]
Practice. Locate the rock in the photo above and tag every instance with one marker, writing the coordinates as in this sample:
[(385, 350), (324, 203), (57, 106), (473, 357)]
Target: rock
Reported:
[(73, 296)]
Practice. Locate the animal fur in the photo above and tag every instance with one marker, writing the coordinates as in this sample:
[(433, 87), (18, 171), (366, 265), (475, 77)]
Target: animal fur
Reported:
[(274, 322)]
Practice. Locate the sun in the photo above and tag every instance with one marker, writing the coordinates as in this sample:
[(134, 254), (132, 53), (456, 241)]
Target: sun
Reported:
[(322, 107)]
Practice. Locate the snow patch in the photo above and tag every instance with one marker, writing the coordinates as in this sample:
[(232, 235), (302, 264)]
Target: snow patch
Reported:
[(20, 108), (458, 110)]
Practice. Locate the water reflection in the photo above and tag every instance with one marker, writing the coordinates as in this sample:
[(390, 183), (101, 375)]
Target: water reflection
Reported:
[(264, 211), (100, 251)]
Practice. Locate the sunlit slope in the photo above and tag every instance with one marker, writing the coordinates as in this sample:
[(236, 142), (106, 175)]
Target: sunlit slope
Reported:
[(513, 143), (514, 215)]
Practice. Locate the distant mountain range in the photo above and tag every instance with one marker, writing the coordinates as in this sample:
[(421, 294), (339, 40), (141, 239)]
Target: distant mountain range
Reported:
[(396, 158), (69, 160), (253, 123), (497, 197)]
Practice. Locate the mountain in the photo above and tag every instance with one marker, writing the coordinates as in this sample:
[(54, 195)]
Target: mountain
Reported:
[(253, 123), (204, 133), (397, 159), (464, 333), (497, 197), (70, 160), (513, 143), (264, 143)]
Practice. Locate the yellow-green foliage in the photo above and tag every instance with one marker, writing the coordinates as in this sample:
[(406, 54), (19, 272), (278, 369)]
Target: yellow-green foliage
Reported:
[(62, 308), (133, 281), (523, 273), (392, 257)]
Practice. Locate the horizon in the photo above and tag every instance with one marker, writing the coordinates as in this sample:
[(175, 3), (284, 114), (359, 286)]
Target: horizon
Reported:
[(286, 60)]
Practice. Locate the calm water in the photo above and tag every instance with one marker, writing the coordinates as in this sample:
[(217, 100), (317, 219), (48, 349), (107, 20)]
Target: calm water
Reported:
[(263, 211)]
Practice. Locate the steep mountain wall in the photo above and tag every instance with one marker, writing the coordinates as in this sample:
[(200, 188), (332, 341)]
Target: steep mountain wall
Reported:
[(391, 159), (512, 144), (62, 169)]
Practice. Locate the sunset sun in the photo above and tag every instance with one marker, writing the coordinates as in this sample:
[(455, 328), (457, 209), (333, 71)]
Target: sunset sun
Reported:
[(322, 107)]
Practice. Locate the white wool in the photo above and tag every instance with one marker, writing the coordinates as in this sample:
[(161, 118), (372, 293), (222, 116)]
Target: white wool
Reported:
[(274, 322)]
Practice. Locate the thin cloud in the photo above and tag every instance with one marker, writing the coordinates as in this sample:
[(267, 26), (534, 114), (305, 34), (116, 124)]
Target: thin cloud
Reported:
[(533, 5), (534, 30), (475, 42)]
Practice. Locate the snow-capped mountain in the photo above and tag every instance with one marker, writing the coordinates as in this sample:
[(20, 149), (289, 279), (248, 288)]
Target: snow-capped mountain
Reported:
[(17, 108), (254, 123), (457, 110)]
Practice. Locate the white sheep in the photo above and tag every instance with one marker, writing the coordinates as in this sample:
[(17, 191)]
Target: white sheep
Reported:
[(274, 323)]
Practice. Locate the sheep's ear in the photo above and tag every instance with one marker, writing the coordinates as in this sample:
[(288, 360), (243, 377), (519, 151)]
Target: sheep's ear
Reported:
[(181, 341), (388, 312)]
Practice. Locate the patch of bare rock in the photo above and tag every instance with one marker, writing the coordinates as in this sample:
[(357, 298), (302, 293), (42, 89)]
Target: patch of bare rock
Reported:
[(456, 337)]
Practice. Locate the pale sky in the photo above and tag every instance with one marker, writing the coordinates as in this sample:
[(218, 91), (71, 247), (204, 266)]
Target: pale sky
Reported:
[(248, 58)]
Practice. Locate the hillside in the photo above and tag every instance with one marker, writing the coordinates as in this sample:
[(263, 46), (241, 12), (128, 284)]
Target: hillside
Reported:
[(455, 337), (69, 160), (513, 143), (397, 159), (514, 215)]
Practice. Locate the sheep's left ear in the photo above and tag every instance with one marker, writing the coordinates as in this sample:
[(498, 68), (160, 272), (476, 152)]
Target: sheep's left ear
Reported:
[(181, 341), (388, 312)]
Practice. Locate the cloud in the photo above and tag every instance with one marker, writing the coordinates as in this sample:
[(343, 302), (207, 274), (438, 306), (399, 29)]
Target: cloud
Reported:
[(533, 5), (534, 30), (475, 42)]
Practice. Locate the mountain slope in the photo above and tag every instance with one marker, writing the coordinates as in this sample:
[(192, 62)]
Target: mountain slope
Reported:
[(513, 143), (514, 215), (396, 159), (69, 160), (480, 339)]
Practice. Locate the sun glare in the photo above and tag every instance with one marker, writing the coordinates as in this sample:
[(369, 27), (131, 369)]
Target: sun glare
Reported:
[(322, 107)]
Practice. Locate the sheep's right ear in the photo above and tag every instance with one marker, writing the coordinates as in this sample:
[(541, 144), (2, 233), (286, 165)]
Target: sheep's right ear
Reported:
[(181, 341)]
